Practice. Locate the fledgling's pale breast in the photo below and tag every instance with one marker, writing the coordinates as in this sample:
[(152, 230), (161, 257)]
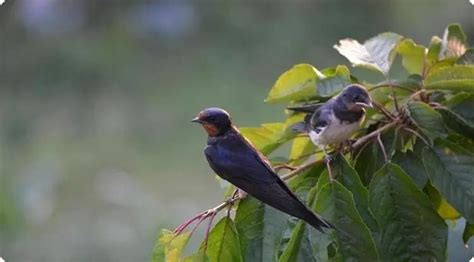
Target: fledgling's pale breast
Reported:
[(335, 133)]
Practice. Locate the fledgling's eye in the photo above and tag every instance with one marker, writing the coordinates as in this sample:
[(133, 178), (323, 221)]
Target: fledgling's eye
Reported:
[(356, 97)]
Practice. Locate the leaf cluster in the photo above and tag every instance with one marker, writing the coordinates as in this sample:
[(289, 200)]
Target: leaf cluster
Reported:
[(411, 171)]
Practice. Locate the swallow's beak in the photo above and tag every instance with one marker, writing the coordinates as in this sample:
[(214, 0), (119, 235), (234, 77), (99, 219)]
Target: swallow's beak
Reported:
[(365, 105), (197, 120)]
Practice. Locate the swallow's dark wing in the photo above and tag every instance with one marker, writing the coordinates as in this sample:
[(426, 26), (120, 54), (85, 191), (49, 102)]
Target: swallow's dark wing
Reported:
[(244, 167), (238, 164)]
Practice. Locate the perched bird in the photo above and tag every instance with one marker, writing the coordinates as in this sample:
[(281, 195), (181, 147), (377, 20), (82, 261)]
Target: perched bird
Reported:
[(236, 160), (336, 120)]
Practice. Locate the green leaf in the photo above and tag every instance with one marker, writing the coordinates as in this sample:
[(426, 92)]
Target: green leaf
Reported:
[(454, 78), (301, 150), (305, 181), (266, 138), (269, 136), (454, 42), (456, 122), (369, 160), (450, 170), (348, 177), (304, 81), (200, 256), (392, 140), (411, 229), (297, 83), (462, 104), (333, 81), (444, 209), (412, 164), (352, 238), (299, 247), (427, 119), (170, 246), (468, 232), (413, 56), (295, 250), (467, 58), (376, 53), (260, 228), (158, 254), (433, 51), (223, 243)]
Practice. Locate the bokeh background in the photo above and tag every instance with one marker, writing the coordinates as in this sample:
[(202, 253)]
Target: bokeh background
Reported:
[(96, 149)]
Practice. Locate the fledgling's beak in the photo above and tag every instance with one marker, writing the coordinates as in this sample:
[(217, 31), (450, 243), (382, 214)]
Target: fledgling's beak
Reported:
[(365, 105), (197, 120)]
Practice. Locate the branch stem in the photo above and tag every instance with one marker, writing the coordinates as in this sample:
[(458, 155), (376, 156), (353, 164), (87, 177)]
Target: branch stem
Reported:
[(375, 133)]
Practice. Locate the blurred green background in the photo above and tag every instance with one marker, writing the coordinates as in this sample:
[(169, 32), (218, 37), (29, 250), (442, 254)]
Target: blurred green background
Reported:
[(97, 151)]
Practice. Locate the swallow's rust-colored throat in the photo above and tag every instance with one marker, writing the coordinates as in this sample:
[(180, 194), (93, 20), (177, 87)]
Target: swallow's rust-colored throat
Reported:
[(210, 129)]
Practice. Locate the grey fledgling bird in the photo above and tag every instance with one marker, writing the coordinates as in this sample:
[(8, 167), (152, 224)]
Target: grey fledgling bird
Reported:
[(336, 120)]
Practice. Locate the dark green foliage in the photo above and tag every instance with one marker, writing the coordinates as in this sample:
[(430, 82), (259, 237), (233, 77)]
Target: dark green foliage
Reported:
[(223, 244), (352, 239), (468, 232), (411, 228), (392, 193), (412, 164), (450, 169), (260, 228)]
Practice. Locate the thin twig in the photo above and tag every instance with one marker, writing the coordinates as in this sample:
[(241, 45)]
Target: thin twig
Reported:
[(419, 92), (379, 140), (181, 227), (209, 225), (394, 95), (384, 111), (197, 225), (375, 133), (416, 134), (279, 167), (303, 156), (301, 169)]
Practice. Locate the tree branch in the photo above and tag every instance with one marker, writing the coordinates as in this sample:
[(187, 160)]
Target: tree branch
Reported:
[(383, 110), (375, 133)]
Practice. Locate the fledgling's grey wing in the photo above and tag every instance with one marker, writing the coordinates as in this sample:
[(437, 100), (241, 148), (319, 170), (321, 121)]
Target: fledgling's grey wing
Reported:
[(306, 108), (303, 126), (315, 120), (321, 118)]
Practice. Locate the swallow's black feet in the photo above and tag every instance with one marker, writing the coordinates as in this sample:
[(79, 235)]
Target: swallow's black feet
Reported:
[(236, 195)]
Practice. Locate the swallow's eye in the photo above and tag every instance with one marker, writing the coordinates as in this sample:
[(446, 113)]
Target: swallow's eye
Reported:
[(212, 118)]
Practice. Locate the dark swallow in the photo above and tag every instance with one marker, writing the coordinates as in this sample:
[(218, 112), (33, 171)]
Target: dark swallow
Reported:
[(236, 160)]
